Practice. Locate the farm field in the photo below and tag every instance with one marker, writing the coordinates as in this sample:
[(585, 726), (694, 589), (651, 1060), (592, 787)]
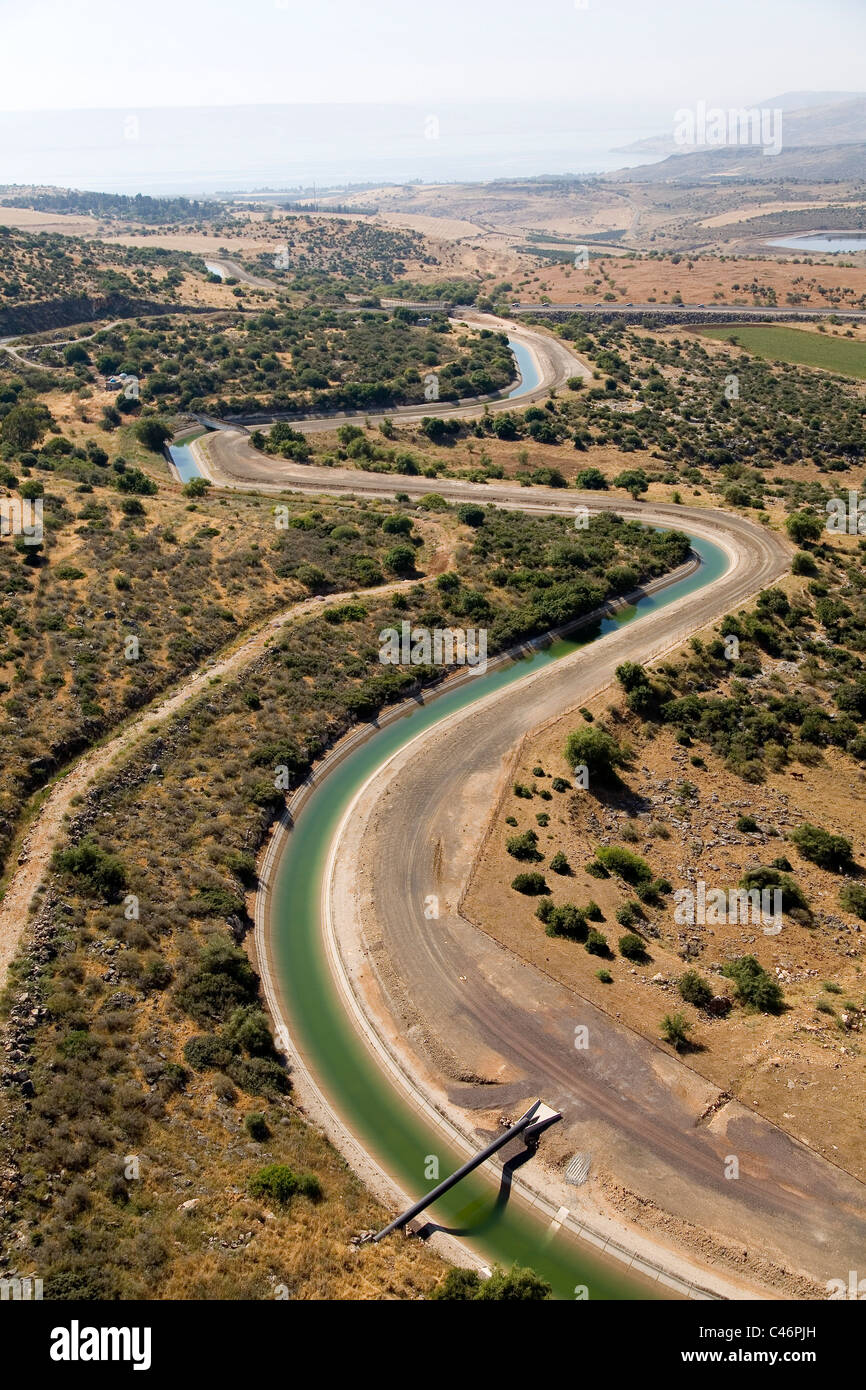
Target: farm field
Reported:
[(796, 345)]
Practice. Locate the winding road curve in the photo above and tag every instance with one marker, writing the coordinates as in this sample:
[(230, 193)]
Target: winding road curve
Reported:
[(451, 1002), (415, 829), (423, 990), (447, 986)]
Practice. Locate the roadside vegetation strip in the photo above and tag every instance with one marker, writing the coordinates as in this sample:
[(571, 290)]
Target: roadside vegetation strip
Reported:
[(800, 347), (48, 824), (644, 555)]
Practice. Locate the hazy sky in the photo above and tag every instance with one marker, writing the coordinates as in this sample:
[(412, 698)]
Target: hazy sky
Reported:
[(112, 53)]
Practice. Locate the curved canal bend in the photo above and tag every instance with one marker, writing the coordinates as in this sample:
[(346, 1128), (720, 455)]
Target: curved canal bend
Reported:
[(341, 1064)]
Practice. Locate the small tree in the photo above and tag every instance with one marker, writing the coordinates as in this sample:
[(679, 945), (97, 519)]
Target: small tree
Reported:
[(675, 1030), (196, 487), (803, 527), (598, 752), (634, 480), (152, 433)]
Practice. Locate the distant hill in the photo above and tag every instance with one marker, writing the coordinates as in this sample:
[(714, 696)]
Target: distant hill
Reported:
[(804, 164), (800, 101), (809, 119)]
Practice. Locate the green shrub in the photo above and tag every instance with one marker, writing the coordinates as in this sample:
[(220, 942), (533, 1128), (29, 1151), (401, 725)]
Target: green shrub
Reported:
[(259, 1076), (632, 947), (518, 1285), (596, 943), (694, 989), (532, 884), (217, 901), (675, 1030), (803, 563), (279, 1183), (559, 863), (222, 980), (249, 1028), (852, 898), (828, 851), (567, 921), (764, 876), (94, 870), (400, 560), (256, 1126), (625, 864), (754, 987), (524, 846), (746, 824), (208, 1051), (133, 480)]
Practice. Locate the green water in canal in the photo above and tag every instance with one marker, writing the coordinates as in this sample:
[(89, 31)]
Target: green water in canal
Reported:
[(394, 1133)]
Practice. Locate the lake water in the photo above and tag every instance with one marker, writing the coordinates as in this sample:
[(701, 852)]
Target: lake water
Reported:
[(830, 243)]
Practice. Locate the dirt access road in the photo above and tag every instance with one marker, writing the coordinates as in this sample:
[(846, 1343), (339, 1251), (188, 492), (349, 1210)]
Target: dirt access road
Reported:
[(451, 1004), (48, 825)]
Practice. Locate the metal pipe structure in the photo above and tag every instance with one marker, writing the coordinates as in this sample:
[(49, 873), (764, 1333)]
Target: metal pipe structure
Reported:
[(524, 1125)]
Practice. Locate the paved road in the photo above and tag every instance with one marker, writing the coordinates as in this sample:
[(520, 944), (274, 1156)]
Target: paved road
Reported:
[(235, 271), (721, 312)]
